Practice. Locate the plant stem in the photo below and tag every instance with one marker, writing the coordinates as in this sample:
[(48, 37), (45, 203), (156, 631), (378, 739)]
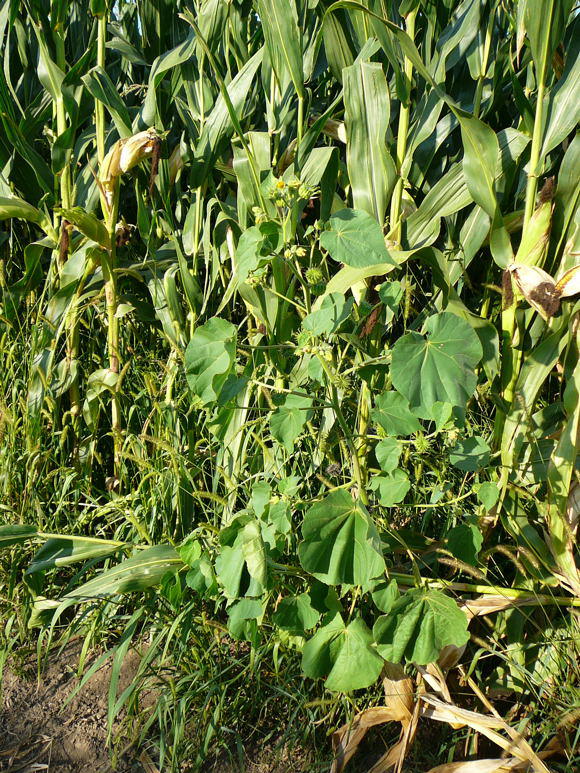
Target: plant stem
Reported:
[(358, 475), (300, 119), (402, 131), (484, 58), (532, 183), (111, 300), (99, 107)]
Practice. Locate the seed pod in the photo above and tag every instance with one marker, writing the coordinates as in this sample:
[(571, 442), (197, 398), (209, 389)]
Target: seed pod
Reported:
[(537, 287)]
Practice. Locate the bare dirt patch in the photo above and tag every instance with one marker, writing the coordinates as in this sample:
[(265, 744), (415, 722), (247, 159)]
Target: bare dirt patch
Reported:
[(39, 732)]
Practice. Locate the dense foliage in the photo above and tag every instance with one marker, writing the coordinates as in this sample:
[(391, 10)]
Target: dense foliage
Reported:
[(289, 326)]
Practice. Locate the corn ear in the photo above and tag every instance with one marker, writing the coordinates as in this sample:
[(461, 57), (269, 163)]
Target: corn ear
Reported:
[(537, 287), (123, 156), (137, 148), (532, 249)]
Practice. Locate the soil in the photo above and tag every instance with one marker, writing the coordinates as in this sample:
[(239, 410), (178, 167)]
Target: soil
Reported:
[(38, 732)]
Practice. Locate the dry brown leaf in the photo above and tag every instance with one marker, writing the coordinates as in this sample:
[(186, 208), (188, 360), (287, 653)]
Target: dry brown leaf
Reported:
[(569, 284), (477, 766), (345, 741), (450, 656), (399, 691), (486, 725), (485, 605), (435, 677)]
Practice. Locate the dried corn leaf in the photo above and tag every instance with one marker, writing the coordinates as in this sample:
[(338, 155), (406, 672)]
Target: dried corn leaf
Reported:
[(569, 284), (450, 656), (487, 726), (478, 766), (345, 741), (399, 691)]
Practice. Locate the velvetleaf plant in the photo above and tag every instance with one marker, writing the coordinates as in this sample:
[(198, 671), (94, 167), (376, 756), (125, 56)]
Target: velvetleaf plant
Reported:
[(299, 289)]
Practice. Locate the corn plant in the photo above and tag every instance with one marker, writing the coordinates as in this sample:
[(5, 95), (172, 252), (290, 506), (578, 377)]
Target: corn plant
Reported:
[(291, 293)]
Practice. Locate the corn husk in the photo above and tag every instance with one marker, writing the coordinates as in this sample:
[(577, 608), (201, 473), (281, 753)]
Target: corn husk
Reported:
[(569, 284), (335, 129), (123, 156), (537, 287), (137, 148), (532, 249), (175, 163)]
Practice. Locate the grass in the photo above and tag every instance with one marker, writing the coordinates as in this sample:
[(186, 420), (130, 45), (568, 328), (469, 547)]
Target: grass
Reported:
[(289, 333)]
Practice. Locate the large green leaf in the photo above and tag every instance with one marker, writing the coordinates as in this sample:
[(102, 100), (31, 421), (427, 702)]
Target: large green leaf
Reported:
[(392, 488), (63, 552), (470, 454), (480, 160), (393, 414), (388, 452), (334, 310), (344, 654), (102, 88), (283, 41), (225, 117), (134, 574), (563, 113), (288, 420), (437, 367), (296, 614), (209, 358), (14, 534), (418, 626), (241, 565), (355, 239), (340, 542), (371, 169)]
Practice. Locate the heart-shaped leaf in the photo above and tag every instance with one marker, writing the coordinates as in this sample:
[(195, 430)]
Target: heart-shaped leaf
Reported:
[(330, 316), (437, 367), (209, 358), (388, 452), (342, 654), (355, 239), (470, 454), (465, 542), (421, 622), (341, 543), (392, 412), (391, 488), (296, 614), (288, 420)]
